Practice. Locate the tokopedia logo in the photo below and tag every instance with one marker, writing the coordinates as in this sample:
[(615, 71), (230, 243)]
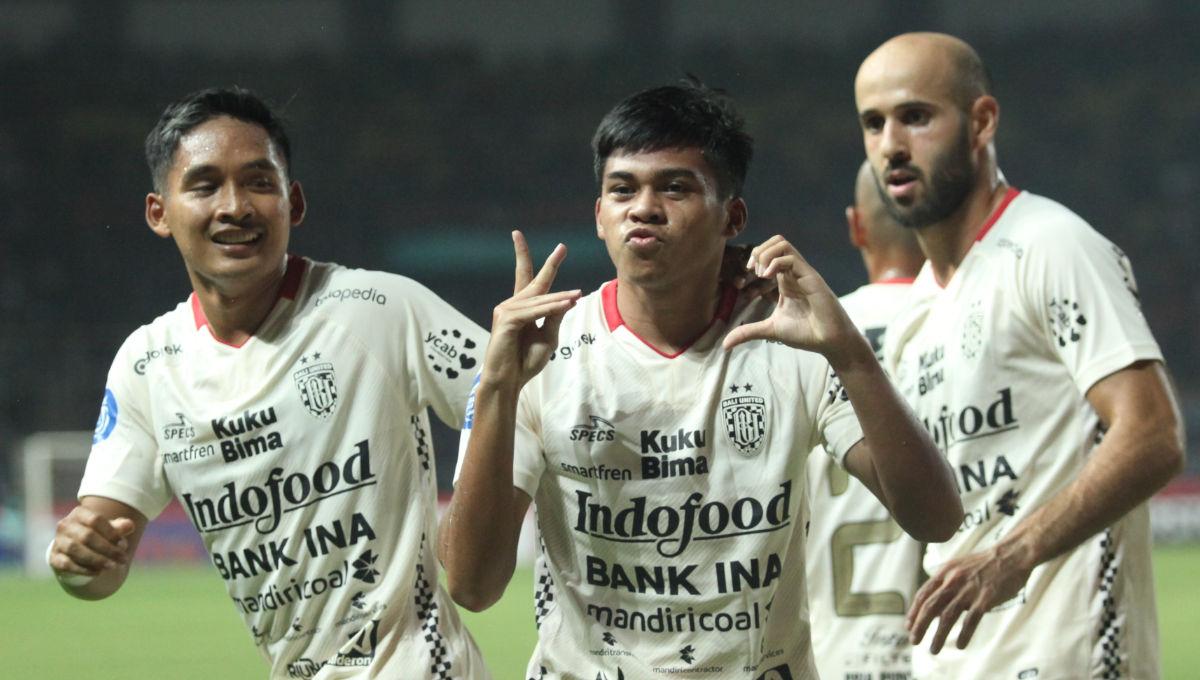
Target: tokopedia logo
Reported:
[(672, 529)]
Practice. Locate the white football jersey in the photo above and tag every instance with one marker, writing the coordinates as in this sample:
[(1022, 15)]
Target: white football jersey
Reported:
[(862, 568), (669, 496), (997, 364), (303, 457)]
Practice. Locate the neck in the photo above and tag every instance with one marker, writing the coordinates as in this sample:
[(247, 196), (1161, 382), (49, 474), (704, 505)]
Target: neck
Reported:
[(235, 311), (881, 268), (669, 318), (946, 243)]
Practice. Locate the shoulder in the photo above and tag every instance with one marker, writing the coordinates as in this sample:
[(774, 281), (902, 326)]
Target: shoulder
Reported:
[(332, 285), (166, 336), (1044, 230)]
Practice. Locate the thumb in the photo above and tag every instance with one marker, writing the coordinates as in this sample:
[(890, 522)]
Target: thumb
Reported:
[(123, 526), (759, 330)]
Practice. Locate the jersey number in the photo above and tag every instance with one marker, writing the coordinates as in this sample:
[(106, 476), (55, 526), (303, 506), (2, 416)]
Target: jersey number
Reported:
[(845, 538)]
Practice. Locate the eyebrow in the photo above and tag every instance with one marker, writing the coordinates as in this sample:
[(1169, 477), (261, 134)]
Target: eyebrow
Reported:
[(196, 171), (665, 173)]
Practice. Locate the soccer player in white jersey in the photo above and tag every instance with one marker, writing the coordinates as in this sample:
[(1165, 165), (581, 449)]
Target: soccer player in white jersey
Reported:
[(660, 425), (862, 569), (284, 403), (1025, 353)]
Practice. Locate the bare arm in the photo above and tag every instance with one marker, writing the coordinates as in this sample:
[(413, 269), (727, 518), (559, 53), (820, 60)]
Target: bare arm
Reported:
[(897, 460), (1141, 451), (94, 546), (478, 539)]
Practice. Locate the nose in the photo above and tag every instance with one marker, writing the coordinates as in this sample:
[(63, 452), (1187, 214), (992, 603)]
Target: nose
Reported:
[(893, 143), (647, 207), (234, 205)]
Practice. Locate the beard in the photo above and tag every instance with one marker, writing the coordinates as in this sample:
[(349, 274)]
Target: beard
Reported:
[(950, 182)]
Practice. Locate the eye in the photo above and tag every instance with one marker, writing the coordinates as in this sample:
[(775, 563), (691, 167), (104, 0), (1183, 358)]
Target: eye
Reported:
[(914, 117), (620, 190), (872, 123), (203, 188), (676, 188)]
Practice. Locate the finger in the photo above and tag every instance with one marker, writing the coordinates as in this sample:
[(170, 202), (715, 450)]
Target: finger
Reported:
[(84, 556), (89, 528), (524, 271), (946, 620), (758, 330), (62, 564), (529, 314), (545, 277), (922, 613), (753, 261), (970, 623), (760, 288)]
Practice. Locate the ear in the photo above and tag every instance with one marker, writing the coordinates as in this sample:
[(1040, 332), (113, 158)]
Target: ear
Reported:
[(858, 234), (298, 204), (156, 215), (739, 215), (599, 229), (985, 118)]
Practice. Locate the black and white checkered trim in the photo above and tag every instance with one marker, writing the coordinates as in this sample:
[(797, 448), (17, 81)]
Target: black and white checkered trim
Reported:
[(1110, 631), (422, 438), (543, 591), (427, 613)]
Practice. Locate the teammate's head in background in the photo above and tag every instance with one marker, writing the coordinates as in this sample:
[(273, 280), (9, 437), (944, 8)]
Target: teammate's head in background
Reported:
[(671, 162), (220, 162), (928, 120), (888, 249)]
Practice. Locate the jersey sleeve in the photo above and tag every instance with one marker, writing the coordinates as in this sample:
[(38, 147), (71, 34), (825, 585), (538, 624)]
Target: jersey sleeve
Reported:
[(528, 460), (837, 427), (442, 349), (123, 464), (1079, 290)]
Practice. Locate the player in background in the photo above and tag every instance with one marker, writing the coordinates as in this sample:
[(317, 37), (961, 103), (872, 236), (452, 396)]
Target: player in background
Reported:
[(284, 403), (1024, 351), (660, 424), (862, 569)]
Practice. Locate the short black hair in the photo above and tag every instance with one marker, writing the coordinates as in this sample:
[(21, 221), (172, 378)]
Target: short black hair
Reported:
[(687, 115), (183, 116)]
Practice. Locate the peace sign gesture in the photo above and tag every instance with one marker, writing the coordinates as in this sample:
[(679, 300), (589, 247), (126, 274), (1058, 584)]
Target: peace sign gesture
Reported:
[(520, 347)]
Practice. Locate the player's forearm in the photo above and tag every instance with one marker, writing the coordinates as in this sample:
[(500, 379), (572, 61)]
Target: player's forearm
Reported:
[(913, 477), (1135, 460), (478, 539)]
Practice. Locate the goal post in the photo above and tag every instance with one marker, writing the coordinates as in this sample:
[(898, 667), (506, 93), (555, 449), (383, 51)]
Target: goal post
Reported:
[(52, 465)]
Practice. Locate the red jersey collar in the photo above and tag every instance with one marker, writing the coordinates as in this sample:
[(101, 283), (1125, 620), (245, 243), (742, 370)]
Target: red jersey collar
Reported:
[(991, 220), (614, 320), (287, 290)]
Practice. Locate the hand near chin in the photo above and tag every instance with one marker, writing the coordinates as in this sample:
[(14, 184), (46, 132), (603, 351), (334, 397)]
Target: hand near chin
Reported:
[(520, 346), (807, 316)]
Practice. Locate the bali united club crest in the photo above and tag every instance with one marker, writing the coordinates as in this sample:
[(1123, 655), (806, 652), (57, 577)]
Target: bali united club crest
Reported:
[(745, 423), (318, 390)]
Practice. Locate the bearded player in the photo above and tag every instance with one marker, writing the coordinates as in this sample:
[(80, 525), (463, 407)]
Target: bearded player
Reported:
[(663, 445), (284, 403), (1024, 351), (862, 569)]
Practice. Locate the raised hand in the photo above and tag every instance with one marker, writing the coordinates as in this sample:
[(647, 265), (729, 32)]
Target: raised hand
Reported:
[(808, 315), (519, 347)]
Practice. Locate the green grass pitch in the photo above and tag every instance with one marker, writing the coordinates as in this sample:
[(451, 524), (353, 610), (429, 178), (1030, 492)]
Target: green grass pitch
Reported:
[(178, 623)]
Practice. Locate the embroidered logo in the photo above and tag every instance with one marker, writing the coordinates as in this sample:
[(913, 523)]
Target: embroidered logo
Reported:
[(318, 389)]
